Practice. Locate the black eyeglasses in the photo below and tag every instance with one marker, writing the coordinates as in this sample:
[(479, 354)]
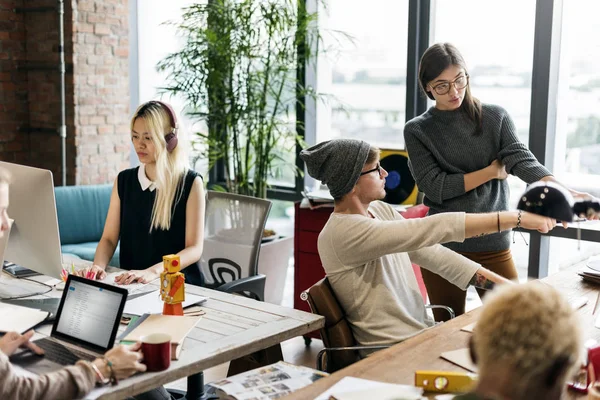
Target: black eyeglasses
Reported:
[(377, 168), (459, 83)]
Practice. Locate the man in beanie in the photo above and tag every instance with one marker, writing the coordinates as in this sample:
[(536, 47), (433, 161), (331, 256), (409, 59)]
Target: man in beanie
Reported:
[(367, 248)]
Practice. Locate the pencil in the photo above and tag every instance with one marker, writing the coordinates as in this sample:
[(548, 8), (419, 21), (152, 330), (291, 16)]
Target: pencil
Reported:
[(596, 305), (73, 268)]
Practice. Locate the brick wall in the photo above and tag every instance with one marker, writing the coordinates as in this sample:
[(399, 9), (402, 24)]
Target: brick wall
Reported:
[(101, 88), (14, 113), (97, 87)]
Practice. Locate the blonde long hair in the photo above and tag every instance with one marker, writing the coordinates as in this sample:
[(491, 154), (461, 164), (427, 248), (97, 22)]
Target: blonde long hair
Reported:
[(171, 167)]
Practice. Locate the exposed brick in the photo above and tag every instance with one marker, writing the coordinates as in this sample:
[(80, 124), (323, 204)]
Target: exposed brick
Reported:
[(97, 88)]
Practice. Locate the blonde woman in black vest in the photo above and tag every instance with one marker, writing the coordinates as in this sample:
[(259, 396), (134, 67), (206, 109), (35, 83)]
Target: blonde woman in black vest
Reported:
[(156, 208)]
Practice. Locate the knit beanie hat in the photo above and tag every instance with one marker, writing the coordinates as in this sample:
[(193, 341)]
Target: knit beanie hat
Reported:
[(337, 163)]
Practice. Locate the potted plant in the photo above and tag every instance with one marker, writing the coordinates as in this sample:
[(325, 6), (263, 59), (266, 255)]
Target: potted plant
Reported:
[(237, 72)]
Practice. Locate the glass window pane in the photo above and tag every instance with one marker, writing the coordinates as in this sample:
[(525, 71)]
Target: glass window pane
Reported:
[(577, 148), (496, 40), (363, 72), (577, 153)]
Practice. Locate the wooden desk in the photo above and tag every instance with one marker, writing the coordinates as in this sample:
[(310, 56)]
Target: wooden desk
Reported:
[(399, 363), (233, 327)]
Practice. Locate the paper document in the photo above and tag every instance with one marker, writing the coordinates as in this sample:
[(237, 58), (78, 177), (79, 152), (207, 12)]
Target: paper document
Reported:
[(151, 303), (19, 319), (460, 357), (468, 328), (350, 387), (266, 383)]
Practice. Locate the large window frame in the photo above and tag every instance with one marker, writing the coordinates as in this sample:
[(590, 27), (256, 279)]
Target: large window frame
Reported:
[(542, 135)]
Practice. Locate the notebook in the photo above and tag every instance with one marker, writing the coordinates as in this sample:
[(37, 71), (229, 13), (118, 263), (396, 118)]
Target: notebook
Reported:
[(20, 319), (178, 327)]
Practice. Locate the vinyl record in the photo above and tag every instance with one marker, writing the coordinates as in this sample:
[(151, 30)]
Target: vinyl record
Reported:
[(400, 186)]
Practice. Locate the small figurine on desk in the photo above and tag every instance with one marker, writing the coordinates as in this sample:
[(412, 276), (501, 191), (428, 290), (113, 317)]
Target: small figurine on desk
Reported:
[(172, 288)]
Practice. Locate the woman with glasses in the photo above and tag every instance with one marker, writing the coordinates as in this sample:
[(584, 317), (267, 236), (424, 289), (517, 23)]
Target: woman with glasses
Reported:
[(461, 152)]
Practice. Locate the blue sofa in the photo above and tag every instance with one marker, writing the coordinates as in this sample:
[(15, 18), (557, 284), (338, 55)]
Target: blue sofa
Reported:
[(81, 212)]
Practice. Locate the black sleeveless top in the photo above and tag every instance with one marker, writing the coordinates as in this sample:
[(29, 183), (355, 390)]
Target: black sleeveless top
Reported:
[(140, 248)]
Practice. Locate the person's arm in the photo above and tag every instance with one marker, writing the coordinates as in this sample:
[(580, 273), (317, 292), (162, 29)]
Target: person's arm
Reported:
[(67, 383), (438, 185), (70, 382), (194, 238), (515, 155), (361, 239), (493, 171), (486, 279), (484, 224), (454, 267)]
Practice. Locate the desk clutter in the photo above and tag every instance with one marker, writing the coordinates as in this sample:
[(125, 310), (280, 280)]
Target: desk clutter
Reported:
[(265, 383), (176, 326)]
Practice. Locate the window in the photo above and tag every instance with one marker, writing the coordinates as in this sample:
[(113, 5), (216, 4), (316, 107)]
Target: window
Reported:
[(363, 71), (496, 40), (155, 40), (577, 146)]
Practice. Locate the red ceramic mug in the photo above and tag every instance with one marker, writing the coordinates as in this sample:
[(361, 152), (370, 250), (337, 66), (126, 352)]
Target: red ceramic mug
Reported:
[(156, 348)]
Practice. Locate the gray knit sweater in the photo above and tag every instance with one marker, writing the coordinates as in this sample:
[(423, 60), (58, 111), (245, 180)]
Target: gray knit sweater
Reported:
[(443, 147)]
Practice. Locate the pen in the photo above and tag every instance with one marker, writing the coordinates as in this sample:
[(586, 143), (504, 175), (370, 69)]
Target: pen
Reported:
[(73, 268)]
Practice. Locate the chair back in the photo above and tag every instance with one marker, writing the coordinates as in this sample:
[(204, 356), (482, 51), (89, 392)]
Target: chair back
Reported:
[(233, 232), (336, 332)]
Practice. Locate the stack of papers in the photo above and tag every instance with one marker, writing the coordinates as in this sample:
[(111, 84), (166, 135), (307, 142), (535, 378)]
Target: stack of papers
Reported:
[(317, 199), (590, 275), (151, 303)]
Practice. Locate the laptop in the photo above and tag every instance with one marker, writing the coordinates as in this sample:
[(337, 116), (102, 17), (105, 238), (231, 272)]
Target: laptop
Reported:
[(85, 327)]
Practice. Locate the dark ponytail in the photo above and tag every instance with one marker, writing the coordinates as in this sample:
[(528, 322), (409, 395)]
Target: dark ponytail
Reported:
[(433, 62)]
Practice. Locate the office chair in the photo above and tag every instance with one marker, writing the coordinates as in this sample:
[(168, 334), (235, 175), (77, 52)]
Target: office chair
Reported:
[(341, 349), (233, 230)]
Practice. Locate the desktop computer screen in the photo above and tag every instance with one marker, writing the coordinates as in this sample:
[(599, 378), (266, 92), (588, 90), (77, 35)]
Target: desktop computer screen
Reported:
[(33, 240)]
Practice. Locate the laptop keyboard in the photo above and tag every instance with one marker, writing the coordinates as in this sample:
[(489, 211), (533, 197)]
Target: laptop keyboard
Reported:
[(60, 354)]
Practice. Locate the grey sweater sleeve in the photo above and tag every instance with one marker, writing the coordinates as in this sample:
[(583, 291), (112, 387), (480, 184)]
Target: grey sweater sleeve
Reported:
[(515, 156), (437, 184)]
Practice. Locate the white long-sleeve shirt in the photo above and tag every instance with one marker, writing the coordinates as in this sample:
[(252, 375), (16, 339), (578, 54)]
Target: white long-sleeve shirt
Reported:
[(368, 263)]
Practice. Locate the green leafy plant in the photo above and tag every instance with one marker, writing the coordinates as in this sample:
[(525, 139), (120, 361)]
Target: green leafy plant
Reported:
[(238, 73)]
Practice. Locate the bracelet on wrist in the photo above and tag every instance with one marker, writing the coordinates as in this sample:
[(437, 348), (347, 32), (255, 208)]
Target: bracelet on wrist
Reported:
[(100, 379), (498, 217), (113, 379)]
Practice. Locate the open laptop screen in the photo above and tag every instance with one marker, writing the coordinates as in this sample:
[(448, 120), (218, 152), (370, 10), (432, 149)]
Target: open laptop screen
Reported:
[(89, 313)]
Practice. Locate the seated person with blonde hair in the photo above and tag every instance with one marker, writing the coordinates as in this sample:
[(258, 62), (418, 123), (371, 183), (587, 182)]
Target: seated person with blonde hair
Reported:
[(526, 344)]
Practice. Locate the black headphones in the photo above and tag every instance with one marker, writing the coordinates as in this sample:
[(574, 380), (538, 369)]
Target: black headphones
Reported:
[(171, 137)]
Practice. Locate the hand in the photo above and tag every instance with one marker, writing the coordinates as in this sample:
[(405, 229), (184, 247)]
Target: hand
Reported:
[(99, 272), (537, 222), (11, 341), (499, 169), (125, 360), (143, 276)]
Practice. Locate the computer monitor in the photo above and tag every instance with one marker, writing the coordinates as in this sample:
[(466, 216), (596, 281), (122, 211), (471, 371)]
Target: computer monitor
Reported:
[(33, 239)]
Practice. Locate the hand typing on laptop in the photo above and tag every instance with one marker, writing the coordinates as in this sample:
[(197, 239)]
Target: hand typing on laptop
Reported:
[(11, 341), (96, 271), (142, 276)]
